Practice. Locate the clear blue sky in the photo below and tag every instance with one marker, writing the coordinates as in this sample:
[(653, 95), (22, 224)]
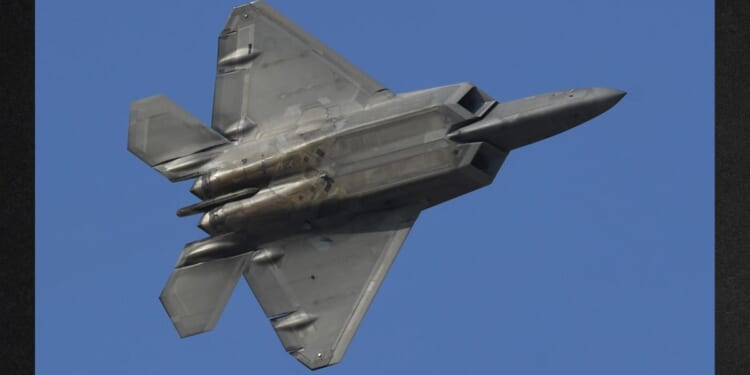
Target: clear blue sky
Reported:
[(592, 252)]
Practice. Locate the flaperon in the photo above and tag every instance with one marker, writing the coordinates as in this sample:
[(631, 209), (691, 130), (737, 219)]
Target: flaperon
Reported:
[(313, 173)]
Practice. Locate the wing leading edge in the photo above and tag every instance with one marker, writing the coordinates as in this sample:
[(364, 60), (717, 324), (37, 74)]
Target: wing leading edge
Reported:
[(316, 287)]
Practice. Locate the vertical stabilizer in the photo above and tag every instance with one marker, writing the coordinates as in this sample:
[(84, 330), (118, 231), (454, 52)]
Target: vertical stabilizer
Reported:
[(195, 295)]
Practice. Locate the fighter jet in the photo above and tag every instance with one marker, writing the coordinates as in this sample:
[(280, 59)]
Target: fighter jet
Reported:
[(313, 173)]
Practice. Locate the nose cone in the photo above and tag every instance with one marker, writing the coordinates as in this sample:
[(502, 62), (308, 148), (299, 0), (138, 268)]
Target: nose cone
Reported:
[(605, 98)]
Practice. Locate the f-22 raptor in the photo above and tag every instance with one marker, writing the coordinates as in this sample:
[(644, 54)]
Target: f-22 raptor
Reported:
[(313, 173)]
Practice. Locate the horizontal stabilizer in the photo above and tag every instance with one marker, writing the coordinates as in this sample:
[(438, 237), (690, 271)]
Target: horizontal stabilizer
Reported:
[(161, 131)]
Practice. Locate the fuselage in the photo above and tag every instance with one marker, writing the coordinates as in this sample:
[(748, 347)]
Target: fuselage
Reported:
[(392, 154), (416, 149)]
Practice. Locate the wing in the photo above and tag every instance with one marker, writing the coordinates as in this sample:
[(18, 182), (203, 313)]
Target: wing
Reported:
[(318, 286), (271, 73)]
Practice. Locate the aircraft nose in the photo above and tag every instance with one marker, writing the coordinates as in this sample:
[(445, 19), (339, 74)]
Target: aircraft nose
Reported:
[(606, 98), (520, 122)]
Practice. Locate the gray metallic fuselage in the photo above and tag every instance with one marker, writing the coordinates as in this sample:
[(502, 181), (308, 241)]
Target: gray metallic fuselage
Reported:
[(417, 149), (392, 154)]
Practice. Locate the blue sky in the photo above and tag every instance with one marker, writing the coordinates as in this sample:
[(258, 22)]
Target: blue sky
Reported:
[(592, 252)]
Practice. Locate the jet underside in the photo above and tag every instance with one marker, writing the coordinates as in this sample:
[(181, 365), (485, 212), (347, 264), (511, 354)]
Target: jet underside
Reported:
[(313, 173)]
